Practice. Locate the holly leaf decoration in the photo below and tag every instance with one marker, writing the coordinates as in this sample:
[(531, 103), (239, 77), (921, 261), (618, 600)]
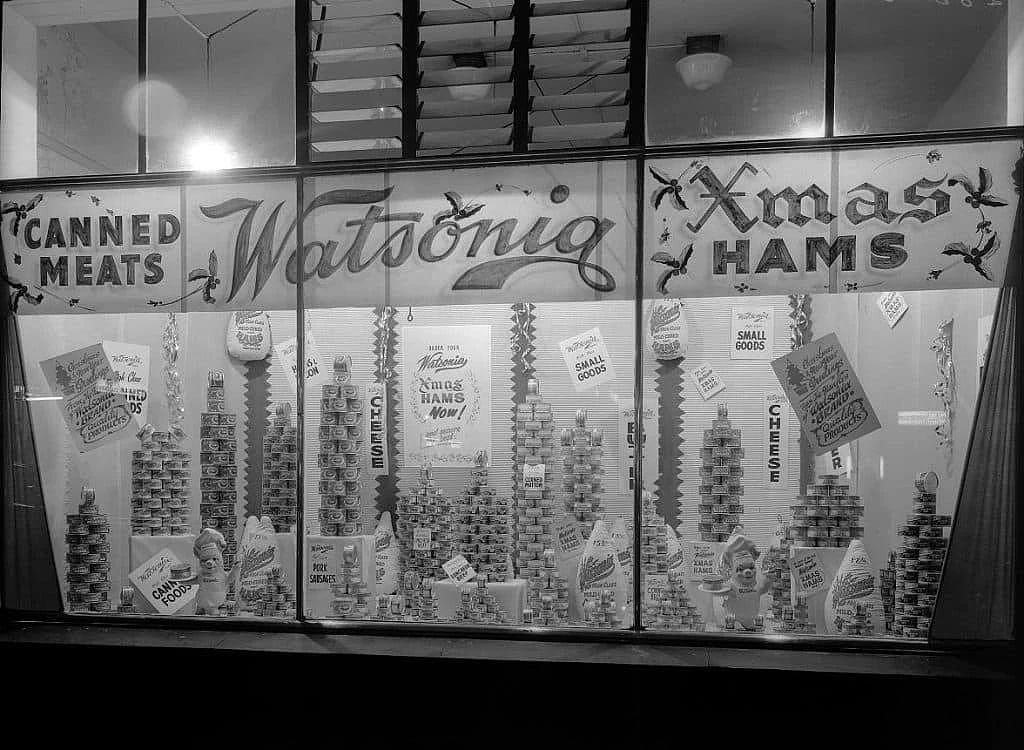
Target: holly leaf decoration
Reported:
[(197, 273)]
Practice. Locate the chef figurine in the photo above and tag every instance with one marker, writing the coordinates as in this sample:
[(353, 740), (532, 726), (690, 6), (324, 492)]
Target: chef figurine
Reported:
[(213, 581), (742, 599)]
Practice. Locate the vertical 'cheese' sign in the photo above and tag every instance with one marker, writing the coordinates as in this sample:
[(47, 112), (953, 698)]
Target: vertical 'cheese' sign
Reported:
[(752, 333), (775, 437), (377, 398), (586, 357)]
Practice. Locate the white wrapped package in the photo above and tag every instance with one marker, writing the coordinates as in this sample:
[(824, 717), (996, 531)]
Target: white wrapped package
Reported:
[(248, 335), (257, 555), (853, 585), (622, 541), (387, 555), (667, 333), (599, 570)]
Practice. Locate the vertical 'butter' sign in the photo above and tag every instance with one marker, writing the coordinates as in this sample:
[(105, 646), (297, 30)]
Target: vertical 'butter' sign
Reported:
[(825, 393)]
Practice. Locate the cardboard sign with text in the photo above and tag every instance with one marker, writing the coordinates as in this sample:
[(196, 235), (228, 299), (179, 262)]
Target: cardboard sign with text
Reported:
[(808, 575), (700, 559), (130, 363), (825, 394), (287, 355), (459, 569), (586, 358), (153, 580), (893, 306), (707, 381), (752, 334)]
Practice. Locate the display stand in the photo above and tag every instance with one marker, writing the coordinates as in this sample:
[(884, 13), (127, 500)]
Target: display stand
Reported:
[(511, 596), (142, 548), (323, 560)]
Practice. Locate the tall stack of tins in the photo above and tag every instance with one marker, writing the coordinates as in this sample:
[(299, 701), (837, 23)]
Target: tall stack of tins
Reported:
[(341, 437), (219, 470), (484, 525), (720, 479), (280, 470), (582, 473), (88, 562), (919, 561), (425, 527)]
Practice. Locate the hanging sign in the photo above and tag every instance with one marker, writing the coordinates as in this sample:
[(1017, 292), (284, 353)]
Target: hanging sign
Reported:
[(707, 381), (153, 580), (902, 218), (836, 461), (376, 415), (752, 333), (316, 370), (825, 394), (446, 384), (775, 437), (586, 358), (649, 454), (92, 403), (130, 363), (893, 306)]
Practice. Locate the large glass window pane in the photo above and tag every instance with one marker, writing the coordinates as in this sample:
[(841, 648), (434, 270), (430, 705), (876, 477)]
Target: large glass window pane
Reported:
[(734, 70), (919, 66), (69, 70), (472, 397), (221, 87)]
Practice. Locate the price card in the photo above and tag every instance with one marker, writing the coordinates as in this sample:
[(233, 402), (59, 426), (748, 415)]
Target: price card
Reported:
[(700, 559), (533, 477), (459, 569), (421, 539), (707, 381), (153, 580), (893, 306), (807, 572)]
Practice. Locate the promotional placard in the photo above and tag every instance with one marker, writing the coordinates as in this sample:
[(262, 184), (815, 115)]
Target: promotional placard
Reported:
[(826, 394), (893, 306), (533, 476), (153, 580), (775, 437), (752, 333), (649, 455), (316, 371), (446, 382), (376, 415), (707, 381), (94, 408), (130, 363), (699, 558), (459, 569), (808, 575), (586, 358)]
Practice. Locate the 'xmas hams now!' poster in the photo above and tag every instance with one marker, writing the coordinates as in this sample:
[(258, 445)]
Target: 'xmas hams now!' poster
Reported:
[(446, 382)]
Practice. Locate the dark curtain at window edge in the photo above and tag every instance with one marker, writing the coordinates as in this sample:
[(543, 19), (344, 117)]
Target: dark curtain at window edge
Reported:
[(29, 573), (977, 598)]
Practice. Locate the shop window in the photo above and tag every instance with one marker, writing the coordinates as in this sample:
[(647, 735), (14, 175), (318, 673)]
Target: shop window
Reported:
[(69, 75), (921, 66), (221, 89), (735, 70)]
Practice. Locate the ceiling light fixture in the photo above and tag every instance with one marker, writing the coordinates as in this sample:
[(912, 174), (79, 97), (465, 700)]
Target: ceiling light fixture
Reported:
[(703, 65)]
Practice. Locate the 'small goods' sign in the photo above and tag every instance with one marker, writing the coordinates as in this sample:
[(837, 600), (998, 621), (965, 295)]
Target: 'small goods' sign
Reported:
[(906, 218)]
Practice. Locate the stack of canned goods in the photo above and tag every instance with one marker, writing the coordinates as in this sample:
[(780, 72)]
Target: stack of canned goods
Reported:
[(653, 556), (720, 479), (217, 482), (478, 605), (547, 594), (827, 516), (602, 612), (425, 536), (919, 561), (280, 465), (127, 605), (858, 624), (776, 564), (351, 594), (419, 600), (887, 591), (794, 617), (535, 517), (672, 609), (341, 436), (277, 598), (581, 473), (160, 485), (88, 562), (484, 526)]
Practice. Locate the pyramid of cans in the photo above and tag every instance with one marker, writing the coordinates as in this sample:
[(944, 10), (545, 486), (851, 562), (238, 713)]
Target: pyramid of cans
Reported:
[(857, 624), (276, 598), (601, 612), (484, 526), (280, 469), (218, 470), (919, 561), (581, 473), (887, 591), (341, 418), (535, 512), (776, 563), (351, 595), (653, 537), (88, 565), (160, 485), (419, 600), (794, 618), (720, 479), (478, 605), (425, 528), (673, 610), (547, 593), (827, 516)]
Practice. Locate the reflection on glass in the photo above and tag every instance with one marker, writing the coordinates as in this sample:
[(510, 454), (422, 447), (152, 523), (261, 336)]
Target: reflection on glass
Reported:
[(68, 72), (908, 67), (221, 92), (724, 71)]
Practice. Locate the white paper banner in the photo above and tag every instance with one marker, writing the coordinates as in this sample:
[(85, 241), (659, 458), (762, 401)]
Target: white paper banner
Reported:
[(446, 384), (752, 333), (775, 437), (586, 358)]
